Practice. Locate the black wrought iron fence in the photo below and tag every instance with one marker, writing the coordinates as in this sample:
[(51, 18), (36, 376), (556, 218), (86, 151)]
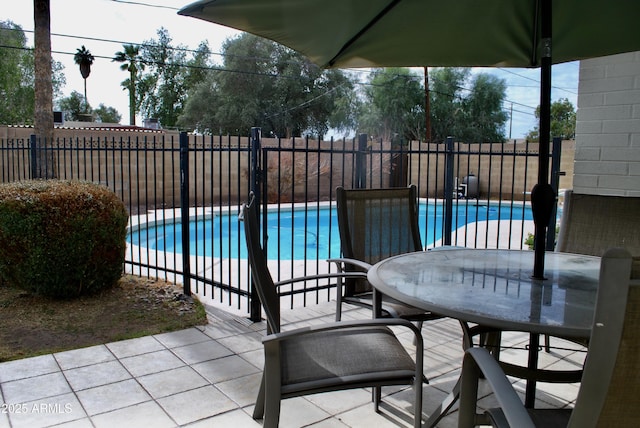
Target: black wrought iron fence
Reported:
[(184, 192)]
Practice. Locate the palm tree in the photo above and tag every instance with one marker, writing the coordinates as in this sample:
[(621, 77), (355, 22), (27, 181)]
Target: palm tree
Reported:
[(132, 62), (43, 116), (84, 59)]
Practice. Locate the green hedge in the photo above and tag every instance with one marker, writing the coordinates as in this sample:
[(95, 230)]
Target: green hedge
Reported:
[(61, 238)]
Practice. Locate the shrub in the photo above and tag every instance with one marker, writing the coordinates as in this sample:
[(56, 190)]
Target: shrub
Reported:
[(61, 238)]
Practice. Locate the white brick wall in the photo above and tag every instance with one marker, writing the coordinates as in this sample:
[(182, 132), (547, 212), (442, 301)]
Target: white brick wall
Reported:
[(607, 159)]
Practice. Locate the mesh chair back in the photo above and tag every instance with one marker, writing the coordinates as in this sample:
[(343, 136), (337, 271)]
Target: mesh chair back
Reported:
[(610, 391), (261, 276), (593, 223), (377, 223)]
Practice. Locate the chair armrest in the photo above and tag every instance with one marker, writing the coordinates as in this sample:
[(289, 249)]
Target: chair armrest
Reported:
[(356, 263), (378, 322), (477, 362), (321, 276)]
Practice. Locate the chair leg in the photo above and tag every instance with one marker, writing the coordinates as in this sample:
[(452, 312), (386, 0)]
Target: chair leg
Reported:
[(417, 405), (258, 410), (419, 325), (376, 395), (271, 411), (547, 343)]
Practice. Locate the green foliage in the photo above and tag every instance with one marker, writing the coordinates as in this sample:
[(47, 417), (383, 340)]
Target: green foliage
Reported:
[(393, 105), (262, 83), (131, 62), (484, 118), (73, 106), (84, 59), (17, 76), (531, 238), (106, 114), (563, 121), (471, 115), (162, 90), (61, 238)]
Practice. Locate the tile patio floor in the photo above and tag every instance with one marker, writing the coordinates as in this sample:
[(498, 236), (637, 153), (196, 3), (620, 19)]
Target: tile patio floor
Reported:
[(209, 377)]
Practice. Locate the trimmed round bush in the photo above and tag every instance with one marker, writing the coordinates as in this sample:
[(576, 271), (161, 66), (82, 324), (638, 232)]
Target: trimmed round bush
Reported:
[(61, 239)]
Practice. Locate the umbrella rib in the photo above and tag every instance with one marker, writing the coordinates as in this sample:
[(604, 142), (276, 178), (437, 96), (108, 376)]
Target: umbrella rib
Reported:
[(364, 29), (535, 35)]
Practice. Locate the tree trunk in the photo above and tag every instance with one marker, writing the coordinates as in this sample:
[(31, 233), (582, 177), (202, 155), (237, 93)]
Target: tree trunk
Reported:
[(132, 99), (43, 118)]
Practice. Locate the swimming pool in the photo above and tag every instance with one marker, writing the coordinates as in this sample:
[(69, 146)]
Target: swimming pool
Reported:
[(300, 234)]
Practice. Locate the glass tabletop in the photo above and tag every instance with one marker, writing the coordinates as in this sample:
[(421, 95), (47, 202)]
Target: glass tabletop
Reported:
[(495, 288)]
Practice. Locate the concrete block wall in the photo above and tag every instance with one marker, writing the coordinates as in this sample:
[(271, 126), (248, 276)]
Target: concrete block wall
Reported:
[(607, 156)]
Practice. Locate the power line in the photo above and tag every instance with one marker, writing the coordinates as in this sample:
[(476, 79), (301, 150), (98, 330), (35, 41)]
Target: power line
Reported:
[(135, 3), (184, 49), (535, 80)]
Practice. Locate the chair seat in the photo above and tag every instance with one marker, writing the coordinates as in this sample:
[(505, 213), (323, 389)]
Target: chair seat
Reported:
[(391, 307), (544, 418), (344, 358)]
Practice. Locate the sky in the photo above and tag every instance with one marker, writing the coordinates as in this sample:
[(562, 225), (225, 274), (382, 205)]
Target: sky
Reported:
[(103, 26)]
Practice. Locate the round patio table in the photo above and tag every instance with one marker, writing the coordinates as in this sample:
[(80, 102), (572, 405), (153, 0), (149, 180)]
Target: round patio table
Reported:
[(495, 288)]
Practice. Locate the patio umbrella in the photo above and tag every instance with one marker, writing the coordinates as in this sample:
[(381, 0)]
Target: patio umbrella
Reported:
[(406, 33)]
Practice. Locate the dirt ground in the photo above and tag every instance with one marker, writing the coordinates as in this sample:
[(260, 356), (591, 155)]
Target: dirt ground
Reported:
[(34, 325)]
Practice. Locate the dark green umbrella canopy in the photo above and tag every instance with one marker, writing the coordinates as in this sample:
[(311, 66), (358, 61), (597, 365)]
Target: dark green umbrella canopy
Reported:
[(406, 33), (383, 33)]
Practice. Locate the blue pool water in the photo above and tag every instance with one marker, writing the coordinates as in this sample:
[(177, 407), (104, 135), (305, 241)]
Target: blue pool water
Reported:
[(223, 235)]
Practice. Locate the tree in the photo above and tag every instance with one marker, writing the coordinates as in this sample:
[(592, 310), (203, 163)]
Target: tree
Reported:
[(43, 114), (483, 109), (84, 59), (17, 104), (162, 89), (106, 114), (446, 101), (16, 69), (74, 106), (471, 115), (563, 121), (132, 62), (262, 83), (393, 106)]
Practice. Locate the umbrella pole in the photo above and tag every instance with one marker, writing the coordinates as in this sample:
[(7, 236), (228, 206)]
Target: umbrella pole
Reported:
[(541, 205)]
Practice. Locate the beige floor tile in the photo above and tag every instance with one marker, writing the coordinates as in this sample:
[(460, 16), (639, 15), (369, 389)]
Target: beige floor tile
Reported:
[(84, 357), (111, 397), (197, 404), (152, 362), (147, 414), (201, 351), (96, 375), (28, 367), (223, 369), (171, 382), (131, 347), (35, 388)]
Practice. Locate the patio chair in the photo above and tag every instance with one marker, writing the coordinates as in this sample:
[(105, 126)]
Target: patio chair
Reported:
[(591, 224), (375, 224), (609, 393), (336, 356)]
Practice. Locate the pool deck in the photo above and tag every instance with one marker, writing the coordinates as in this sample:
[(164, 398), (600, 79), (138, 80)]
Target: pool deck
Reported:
[(209, 376)]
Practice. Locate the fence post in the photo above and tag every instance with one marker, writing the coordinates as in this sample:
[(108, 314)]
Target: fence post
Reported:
[(555, 184), (33, 151), (448, 191), (255, 313), (361, 162), (184, 213)]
